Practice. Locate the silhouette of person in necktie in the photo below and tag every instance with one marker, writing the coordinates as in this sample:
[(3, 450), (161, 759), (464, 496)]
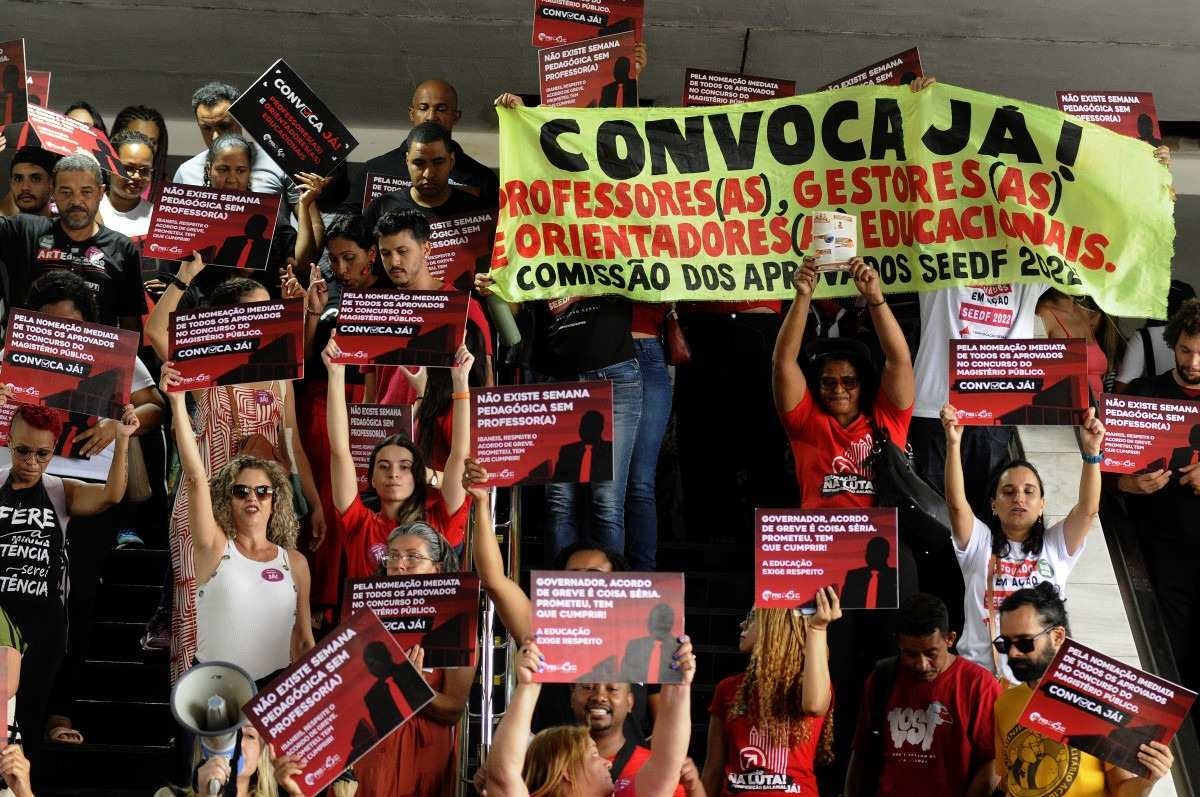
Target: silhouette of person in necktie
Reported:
[(12, 94), (873, 586), (1189, 454), (590, 459), (622, 91), (249, 250), (1145, 128), (648, 659), (397, 693)]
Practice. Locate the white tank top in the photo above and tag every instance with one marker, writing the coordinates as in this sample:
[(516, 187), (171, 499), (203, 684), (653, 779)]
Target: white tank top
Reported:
[(245, 613)]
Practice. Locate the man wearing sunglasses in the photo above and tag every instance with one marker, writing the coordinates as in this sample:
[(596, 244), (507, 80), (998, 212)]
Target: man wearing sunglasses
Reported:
[(1033, 625)]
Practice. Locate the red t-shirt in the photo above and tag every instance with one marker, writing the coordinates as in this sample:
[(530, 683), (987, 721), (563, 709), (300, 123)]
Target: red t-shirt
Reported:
[(364, 533), (623, 781), (831, 462), (755, 763), (774, 306), (648, 318), (938, 733)]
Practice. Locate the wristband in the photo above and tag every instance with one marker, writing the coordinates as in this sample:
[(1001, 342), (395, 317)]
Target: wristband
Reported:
[(879, 303), (1093, 459), (173, 279), (462, 394)]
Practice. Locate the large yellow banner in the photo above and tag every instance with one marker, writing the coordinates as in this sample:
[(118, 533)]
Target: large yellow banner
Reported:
[(950, 187)]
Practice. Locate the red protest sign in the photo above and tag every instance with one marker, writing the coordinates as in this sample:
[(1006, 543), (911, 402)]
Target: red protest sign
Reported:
[(567, 21), (38, 85), (706, 87), (544, 432), (897, 70), (285, 117), (401, 327), (439, 612), (1104, 707), (1148, 434), (66, 136), (72, 366), (238, 344), (597, 73), (1130, 113), (460, 246), (13, 87), (1036, 382), (339, 700), (379, 184), (227, 228), (370, 423), (594, 627), (799, 551)]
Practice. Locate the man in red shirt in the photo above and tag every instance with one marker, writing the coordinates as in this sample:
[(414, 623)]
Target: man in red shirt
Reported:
[(933, 735), (603, 708)]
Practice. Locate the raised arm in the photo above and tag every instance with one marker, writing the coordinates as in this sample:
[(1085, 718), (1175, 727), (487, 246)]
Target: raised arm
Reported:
[(659, 776), (816, 692), (507, 757), (207, 536), (511, 602), (316, 516), (1079, 520), (310, 227), (92, 499), (342, 478), (898, 382), (787, 378), (158, 324), (962, 518), (450, 701), (453, 492)]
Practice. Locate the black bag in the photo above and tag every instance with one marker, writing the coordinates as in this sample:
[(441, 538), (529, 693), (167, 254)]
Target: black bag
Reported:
[(922, 513), (881, 689)]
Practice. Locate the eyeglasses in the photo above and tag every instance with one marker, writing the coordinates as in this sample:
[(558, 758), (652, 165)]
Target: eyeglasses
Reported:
[(1024, 644), (244, 490), (407, 558), (40, 454), (847, 382), (137, 171)]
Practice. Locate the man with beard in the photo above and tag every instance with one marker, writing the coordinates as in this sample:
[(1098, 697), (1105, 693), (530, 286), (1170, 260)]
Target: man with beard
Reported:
[(29, 182), (107, 260), (603, 707), (1168, 502), (1033, 626)]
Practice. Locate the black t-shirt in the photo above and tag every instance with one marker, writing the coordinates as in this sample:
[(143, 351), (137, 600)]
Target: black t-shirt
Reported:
[(1172, 513), (576, 335), (108, 262), (467, 173), (459, 202), (32, 548)]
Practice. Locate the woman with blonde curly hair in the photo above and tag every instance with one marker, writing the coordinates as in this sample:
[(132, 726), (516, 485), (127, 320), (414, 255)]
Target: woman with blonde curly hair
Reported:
[(243, 535), (780, 706)]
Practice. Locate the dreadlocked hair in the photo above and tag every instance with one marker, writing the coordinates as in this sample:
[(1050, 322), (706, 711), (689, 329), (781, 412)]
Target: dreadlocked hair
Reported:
[(770, 693)]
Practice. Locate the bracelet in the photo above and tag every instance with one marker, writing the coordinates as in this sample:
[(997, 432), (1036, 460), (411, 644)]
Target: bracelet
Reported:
[(879, 303), (462, 394), (418, 398), (1092, 459), (178, 283)]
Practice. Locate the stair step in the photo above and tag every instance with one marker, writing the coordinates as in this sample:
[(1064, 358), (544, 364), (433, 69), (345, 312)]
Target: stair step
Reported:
[(105, 769), (131, 680), (119, 640), (136, 566), (127, 602), (124, 722)]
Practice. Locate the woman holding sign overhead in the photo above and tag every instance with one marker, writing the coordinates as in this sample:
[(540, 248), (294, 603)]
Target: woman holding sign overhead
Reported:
[(228, 419), (1013, 548)]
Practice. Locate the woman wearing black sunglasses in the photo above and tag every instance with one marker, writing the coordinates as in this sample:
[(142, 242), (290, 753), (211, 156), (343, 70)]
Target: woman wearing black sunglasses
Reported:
[(251, 583), (1013, 548)]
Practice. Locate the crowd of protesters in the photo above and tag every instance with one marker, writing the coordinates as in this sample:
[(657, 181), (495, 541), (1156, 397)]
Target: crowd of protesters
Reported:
[(266, 480)]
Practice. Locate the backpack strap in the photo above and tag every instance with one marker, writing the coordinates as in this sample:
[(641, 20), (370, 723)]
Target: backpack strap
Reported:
[(623, 756), (883, 680)]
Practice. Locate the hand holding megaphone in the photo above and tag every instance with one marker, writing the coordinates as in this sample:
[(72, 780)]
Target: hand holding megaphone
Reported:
[(215, 773)]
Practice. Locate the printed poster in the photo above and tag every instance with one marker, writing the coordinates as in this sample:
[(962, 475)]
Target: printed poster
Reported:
[(66, 136), (567, 21), (597, 73), (460, 246), (1142, 435), (370, 423), (392, 327), (897, 70), (1130, 113), (13, 83), (228, 228), (709, 87), (1034, 382), (835, 240), (238, 344), (439, 612)]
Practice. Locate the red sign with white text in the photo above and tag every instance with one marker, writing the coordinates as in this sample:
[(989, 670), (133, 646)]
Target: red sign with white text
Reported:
[(1034, 382), (401, 327), (66, 136), (543, 432), (567, 21), (339, 700), (1130, 113), (1104, 707), (601, 627), (597, 73), (439, 612), (799, 551), (1148, 434), (38, 85), (238, 344), (370, 423), (460, 246), (897, 70), (13, 83), (706, 87), (73, 366), (227, 228), (379, 184)]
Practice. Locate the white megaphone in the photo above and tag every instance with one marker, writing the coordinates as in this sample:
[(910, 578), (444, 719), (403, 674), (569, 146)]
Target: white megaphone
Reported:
[(208, 701)]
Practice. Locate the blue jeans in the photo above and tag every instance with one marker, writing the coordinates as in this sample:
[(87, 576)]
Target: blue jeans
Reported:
[(608, 498), (641, 510)]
